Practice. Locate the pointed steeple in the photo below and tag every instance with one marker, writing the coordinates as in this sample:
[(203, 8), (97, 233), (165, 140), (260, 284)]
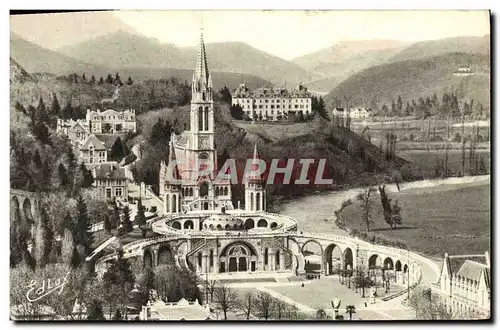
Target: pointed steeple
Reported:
[(172, 161), (255, 154), (255, 165), (201, 61), (202, 80)]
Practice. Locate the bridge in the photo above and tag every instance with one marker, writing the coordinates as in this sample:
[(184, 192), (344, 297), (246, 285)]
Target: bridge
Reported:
[(26, 204)]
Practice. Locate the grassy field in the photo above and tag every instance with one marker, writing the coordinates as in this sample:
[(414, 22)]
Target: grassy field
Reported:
[(277, 131), (453, 219)]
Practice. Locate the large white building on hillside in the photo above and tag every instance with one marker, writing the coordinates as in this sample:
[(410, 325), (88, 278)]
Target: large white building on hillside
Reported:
[(111, 121), (272, 103)]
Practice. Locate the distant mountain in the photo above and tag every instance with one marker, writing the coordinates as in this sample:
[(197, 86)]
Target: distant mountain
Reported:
[(418, 50), (18, 74), (338, 62), (66, 28), (125, 50), (343, 51), (34, 59), (415, 78)]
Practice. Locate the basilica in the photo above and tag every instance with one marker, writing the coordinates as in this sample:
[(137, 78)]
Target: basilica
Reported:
[(189, 182)]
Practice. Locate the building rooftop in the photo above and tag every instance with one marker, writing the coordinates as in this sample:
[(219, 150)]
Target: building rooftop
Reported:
[(109, 170), (92, 140), (270, 92)]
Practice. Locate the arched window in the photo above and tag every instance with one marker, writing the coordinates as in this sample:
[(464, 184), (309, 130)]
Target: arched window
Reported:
[(200, 118), (206, 119), (277, 258), (251, 201), (211, 258), (168, 202), (225, 191), (204, 189), (174, 203), (190, 191), (257, 201), (199, 259), (266, 256)]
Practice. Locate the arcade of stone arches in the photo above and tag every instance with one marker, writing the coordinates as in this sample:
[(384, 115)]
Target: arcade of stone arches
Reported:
[(243, 256)]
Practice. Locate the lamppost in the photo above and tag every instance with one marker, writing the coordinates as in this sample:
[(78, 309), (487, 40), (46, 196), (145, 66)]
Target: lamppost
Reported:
[(335, 305)]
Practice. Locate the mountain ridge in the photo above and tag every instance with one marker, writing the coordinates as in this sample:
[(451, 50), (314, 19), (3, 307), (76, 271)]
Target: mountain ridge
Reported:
[(125, 50)]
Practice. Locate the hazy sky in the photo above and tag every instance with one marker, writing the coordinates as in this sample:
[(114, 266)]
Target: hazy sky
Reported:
[(283, 33)]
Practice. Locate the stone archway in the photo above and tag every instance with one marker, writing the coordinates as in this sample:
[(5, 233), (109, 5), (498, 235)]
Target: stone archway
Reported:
[(348, 258), (262, 223), (249, 223), (28, 215), (165, 255), (333, 259), (312, 251), (176, 225), (398, 266), (374, 262), (238, 257), (188, 224), (148, 258)]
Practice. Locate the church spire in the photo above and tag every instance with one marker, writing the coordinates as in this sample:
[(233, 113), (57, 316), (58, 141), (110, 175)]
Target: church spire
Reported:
[(201, 61), (172, 160)]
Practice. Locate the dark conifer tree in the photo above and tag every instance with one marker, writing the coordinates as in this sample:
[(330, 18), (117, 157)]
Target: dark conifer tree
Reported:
[(81, 227)]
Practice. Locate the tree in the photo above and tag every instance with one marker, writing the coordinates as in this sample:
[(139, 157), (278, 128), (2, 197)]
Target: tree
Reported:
[(41, 112), (225, 95), (117, 316), (350, 309), (321, 314), (92, 80), (264, 305), (280, 308), (41, 132), (82, 235), (107, 224), (127, 224), (129, 81), (237, 112), (67, 247), (149, 281), (366, 207), (119, 280), (88, 178), (209, 287), (62, 175), (482, 166), (361, 280), (76, 259), (47, 237), (115, 216), (246, 305), (109, 79), (55, 108), (95, 312), (225, 298), (101, 81)]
